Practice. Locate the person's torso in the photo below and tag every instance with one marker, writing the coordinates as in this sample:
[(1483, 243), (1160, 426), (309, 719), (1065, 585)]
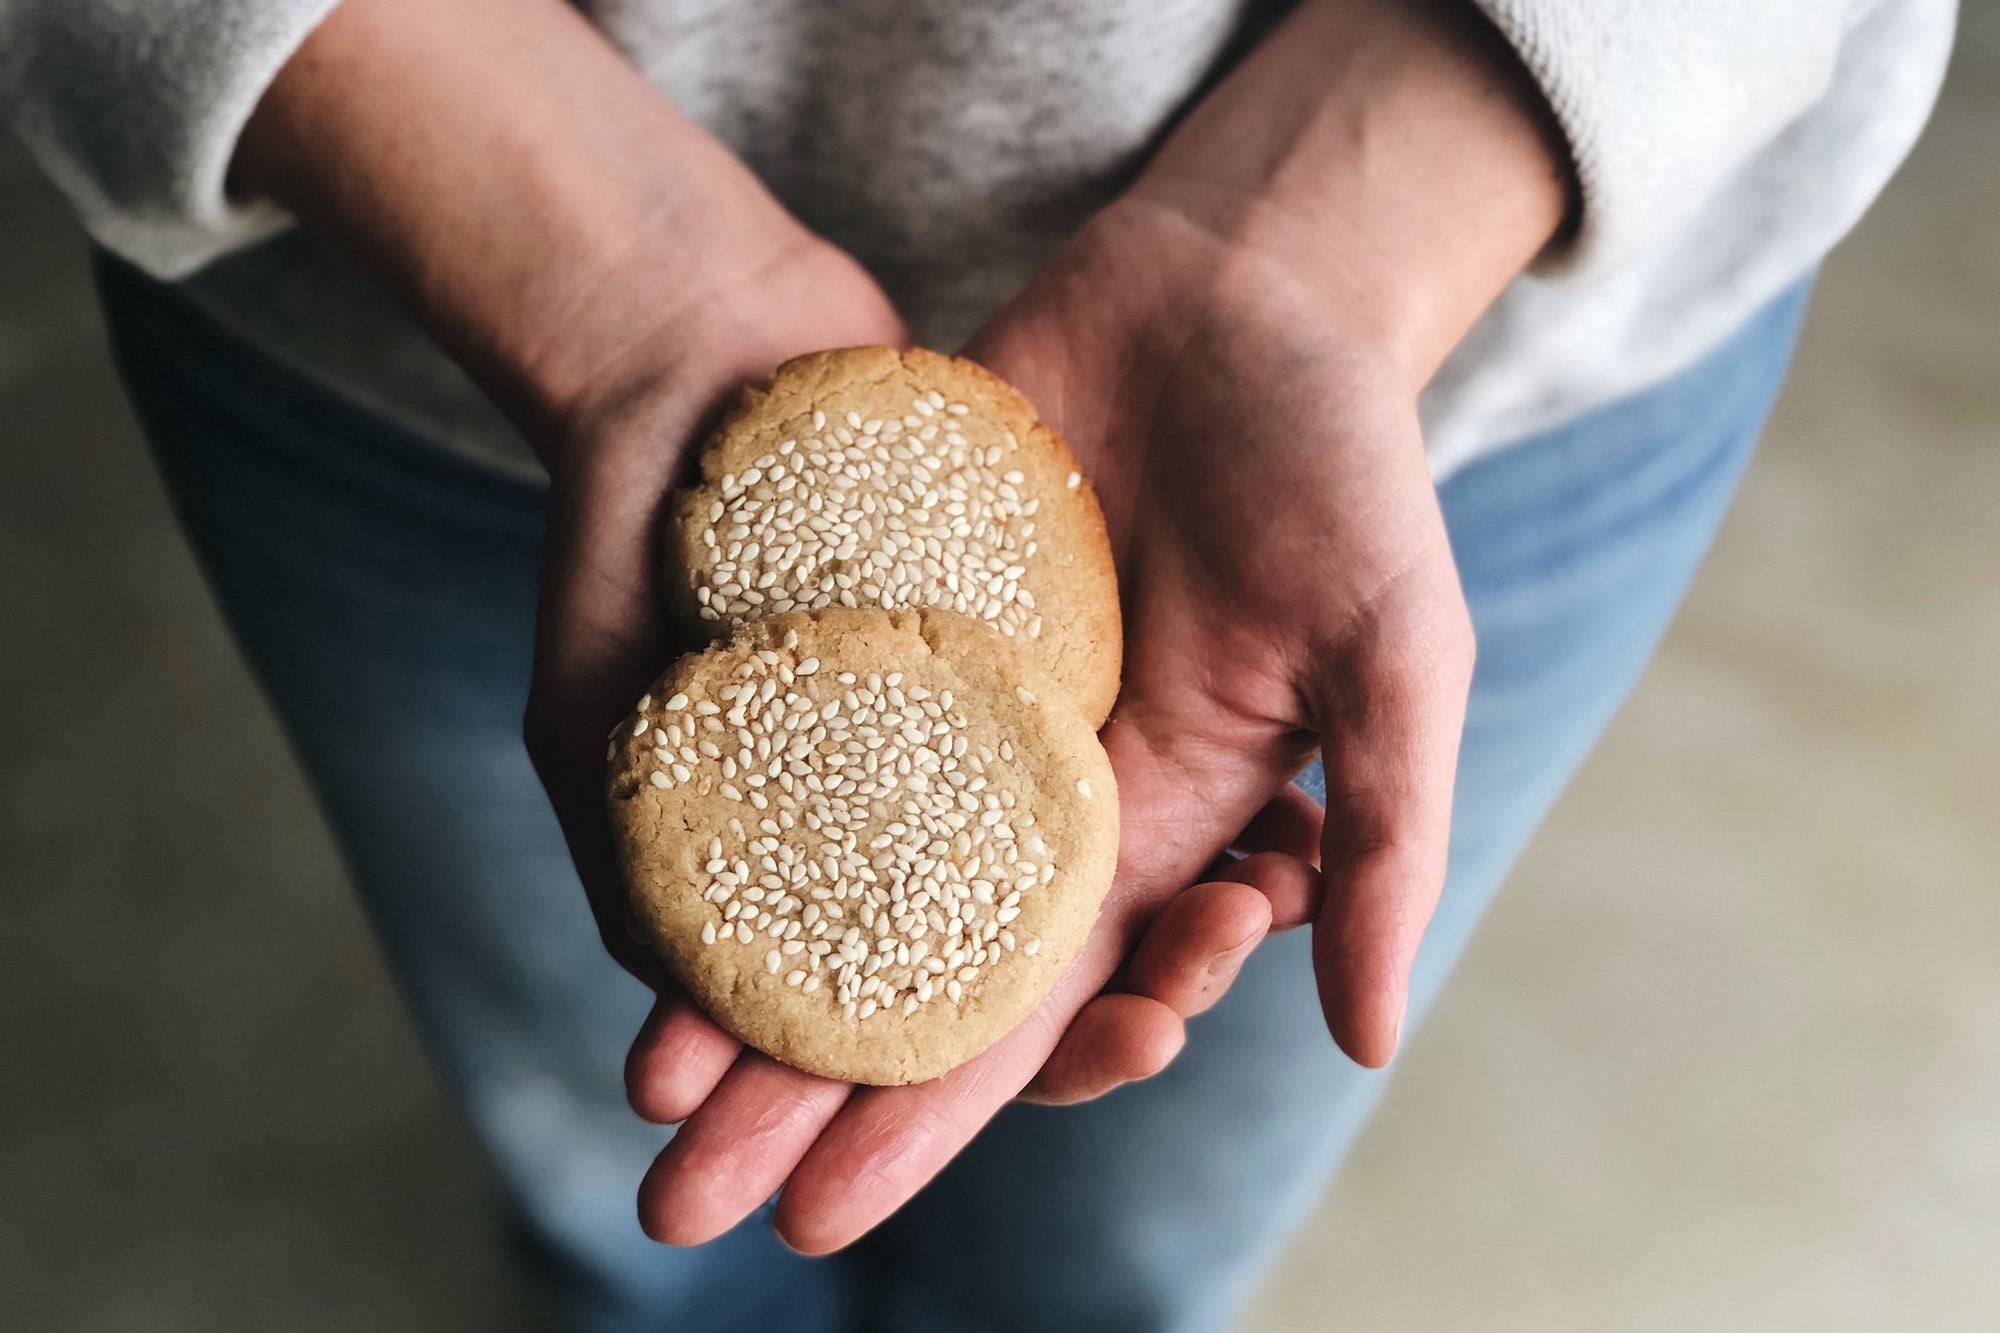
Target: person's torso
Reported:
[(950, 147)]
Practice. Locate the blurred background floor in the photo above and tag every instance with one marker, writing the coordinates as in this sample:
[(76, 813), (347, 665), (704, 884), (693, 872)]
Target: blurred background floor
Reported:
[(1726, 1057)]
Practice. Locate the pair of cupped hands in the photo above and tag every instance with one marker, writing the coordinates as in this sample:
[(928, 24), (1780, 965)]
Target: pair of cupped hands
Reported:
[(1288, 592)]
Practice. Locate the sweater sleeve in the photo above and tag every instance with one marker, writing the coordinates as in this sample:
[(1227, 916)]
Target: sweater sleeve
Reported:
[(1663, 100), (134, 107)]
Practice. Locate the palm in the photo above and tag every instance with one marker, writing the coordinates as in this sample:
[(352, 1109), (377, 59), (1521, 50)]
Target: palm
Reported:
[(601, 632), (1288, 588), (1283, 564)]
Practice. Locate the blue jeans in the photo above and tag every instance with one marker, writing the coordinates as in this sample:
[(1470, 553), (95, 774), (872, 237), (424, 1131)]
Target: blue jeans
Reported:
[(383, 593)]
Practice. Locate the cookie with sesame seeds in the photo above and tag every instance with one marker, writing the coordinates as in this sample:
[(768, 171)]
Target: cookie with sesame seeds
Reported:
[(867, 842), (867, 476)]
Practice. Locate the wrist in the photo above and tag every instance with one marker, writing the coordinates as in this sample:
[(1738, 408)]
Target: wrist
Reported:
[(644, 362), (669, 310), (554, 223), (1389, 162), (1205, 278), (1144, 290)]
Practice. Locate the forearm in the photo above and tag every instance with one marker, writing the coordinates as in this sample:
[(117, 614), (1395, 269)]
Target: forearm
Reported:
[(504, 172), (1388, 157)]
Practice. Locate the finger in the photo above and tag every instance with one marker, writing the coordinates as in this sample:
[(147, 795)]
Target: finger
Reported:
[(1293, 888), (1195, 946), (676, 1061), (1188, 959), (1390, 760), (1291, 822), (1116, 1038), (886, 1143), (1190, 955), (736, 1150)]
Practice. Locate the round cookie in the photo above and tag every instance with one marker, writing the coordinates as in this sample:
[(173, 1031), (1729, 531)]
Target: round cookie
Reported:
[(872, 477), (868, 842)]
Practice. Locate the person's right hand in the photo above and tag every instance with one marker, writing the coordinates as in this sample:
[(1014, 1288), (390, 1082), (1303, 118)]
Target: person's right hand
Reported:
[(614, 453), (604, 268)]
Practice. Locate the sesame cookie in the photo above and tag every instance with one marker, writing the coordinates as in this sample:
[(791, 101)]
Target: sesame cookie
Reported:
[(868, 842), (872, 477)]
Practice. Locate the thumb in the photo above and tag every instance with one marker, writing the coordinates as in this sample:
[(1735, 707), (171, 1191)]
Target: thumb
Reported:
[(1391, 713)]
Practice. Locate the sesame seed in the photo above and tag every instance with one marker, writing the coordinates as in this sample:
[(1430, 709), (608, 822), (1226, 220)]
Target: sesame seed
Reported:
[(659, 779), (1083, 788), (1074, 480), (1024, 695), (882, 863), (678, 702), (885, 519)]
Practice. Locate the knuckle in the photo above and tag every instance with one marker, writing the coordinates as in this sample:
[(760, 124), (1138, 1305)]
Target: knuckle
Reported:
[(1439, 635), (1422, 652)]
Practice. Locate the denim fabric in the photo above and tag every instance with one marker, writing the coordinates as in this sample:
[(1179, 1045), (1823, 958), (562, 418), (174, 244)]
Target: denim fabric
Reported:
[(383, 593)]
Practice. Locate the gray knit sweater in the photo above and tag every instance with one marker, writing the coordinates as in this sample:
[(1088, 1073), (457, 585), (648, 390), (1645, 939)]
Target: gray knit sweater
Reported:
[(1723, 147)]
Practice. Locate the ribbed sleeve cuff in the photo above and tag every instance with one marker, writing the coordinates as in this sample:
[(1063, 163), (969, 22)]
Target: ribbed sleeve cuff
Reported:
[(1662, 102), (134, 107)]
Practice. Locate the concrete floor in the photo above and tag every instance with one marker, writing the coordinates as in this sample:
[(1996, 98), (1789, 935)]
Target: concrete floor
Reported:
[(1727, 1057)]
